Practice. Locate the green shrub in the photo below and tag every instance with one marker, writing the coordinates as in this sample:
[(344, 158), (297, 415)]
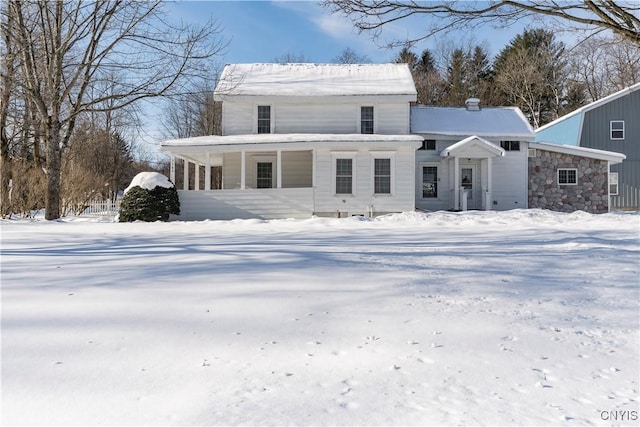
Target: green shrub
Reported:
[(157, 204)]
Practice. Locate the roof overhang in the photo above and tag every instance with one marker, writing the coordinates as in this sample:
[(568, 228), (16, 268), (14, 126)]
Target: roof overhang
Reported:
[(591, 153), (473, 147), (196, 148)]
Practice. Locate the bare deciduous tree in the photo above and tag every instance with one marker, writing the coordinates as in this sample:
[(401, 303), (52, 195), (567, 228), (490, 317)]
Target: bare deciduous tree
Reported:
[(605, 65), (621, 17), (76, 57), (350, 56)]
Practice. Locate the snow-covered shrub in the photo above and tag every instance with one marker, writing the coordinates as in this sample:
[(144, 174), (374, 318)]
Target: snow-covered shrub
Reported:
[(149, 197)]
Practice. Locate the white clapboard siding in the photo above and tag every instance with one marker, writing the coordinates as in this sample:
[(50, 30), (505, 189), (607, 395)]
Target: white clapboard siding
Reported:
[(363, 201), (321, 117), (238, 118), (246, 204), (432, 158), (297, 168), (393, 119), (510, 186)]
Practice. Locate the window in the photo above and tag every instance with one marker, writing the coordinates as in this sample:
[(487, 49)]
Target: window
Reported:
[(366, 119), (429, 182), (613, 183), (344, 176), (382, 176), (616, 128), (264, 119), (510, 145), (428, 144), (567, 176), (264, 175)]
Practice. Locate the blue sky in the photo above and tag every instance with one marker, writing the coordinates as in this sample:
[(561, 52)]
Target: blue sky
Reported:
[(260, 31)]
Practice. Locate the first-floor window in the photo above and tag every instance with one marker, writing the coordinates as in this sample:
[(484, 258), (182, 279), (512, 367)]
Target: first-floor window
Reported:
[(567, 176), (613, 183), (429, 182), (344, 176), (264, 175), (382, 176)]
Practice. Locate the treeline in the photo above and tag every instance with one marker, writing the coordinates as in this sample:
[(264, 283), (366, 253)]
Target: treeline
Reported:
[(72, 76), (535, 72)]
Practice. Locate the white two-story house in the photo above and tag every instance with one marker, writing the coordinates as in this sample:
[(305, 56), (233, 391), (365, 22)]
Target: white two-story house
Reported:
[(340, 140), (306, 139)]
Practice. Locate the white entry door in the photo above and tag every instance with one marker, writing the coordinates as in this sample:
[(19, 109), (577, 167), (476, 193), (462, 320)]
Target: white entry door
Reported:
[(469, 182)]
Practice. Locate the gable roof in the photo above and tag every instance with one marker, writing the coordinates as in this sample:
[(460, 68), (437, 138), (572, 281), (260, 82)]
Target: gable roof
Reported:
[(315, 80), (593, 105), (486, 122), (472, 147)]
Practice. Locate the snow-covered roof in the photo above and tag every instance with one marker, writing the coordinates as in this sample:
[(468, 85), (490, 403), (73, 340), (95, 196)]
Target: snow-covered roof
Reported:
[(315, 80), (593, 105), (274, 138), (149, 181), (591, 153), (486, 122), (466, 145)]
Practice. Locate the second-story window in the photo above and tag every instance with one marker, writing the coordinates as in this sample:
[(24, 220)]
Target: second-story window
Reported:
[(616, 129), (366, 119), (264, 119), (510, 145)]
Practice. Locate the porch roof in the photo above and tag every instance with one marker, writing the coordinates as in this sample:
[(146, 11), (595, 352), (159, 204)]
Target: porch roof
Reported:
[(270, 141), (473, 147)]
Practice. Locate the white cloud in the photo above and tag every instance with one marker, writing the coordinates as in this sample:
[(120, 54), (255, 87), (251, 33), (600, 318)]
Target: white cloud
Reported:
[(335, 26)]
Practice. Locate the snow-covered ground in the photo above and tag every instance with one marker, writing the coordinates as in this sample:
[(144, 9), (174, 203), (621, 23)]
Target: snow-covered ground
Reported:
[(519, 318)]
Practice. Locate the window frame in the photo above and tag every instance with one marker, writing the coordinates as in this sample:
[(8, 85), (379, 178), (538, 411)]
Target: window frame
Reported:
[(430, 141), (258, 119), (510, 145), (383, 155), (264, 159), (437, 180), (372, 120), (574, 170), (612, 130), (616, 183), (343, 155)]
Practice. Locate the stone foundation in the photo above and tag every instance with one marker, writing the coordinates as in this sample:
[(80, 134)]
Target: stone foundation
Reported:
[(589, 195)]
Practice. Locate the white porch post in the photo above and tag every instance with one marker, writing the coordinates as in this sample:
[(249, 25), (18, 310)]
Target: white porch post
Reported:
[(172, 170), (185, 174), (207, 173), (456, 183), (279, 169), (196, 185), (242, 170), (488, 196)]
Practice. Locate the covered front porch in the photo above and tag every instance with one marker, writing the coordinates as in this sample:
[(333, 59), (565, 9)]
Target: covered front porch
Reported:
[(270, 176), (470, 167)]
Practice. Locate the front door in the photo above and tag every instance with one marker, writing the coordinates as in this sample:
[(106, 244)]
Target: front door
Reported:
[(468, 182)]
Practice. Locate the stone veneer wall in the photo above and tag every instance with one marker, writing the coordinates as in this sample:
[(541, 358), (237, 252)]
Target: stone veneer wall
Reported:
[(590, 195)]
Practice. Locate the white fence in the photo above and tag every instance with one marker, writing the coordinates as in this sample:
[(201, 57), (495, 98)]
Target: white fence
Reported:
[(100, 208)]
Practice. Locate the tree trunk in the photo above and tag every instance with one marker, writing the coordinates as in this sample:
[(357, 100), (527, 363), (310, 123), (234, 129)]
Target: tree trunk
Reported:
[(54, 164)]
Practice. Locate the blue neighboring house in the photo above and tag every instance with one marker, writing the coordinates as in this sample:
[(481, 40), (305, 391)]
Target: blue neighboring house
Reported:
[(612, 124)]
